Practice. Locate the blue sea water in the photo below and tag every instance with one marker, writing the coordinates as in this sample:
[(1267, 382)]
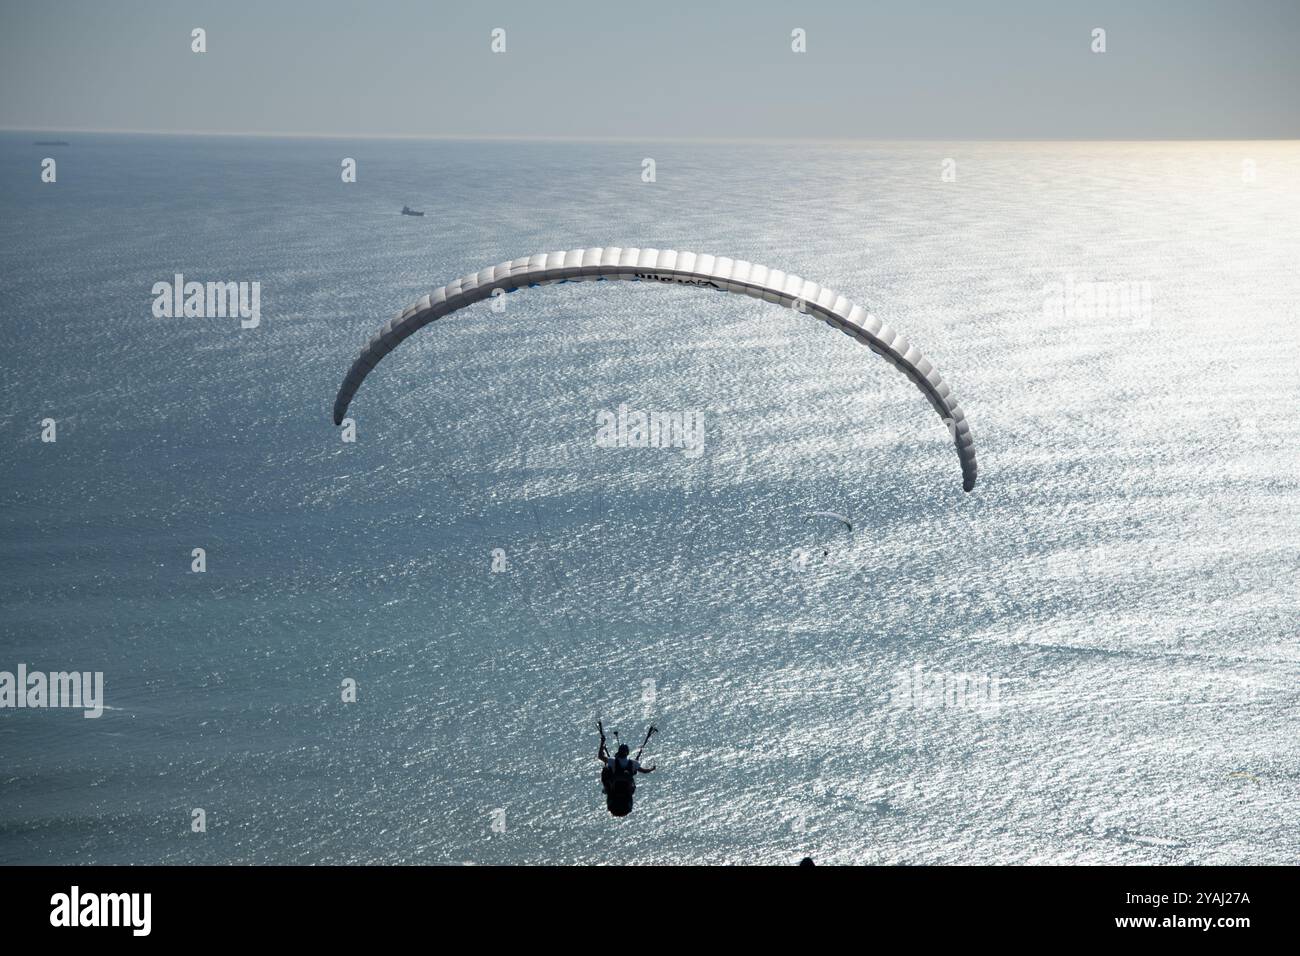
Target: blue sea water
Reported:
[(1127, 572)]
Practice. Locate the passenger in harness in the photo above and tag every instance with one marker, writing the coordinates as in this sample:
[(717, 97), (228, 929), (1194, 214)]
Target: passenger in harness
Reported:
[(618, 775)]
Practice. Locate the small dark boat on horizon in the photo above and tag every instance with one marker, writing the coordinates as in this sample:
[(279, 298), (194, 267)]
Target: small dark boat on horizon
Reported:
[(408, 211)]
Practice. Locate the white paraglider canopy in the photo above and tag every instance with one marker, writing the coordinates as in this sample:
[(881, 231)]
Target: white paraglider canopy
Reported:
[(682, 269)]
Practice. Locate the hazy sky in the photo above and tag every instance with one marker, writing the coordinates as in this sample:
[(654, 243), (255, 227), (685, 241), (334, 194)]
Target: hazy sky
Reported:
[(902, 68)]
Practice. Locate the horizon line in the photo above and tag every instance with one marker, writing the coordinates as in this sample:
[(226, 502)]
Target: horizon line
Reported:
[(486, 137)]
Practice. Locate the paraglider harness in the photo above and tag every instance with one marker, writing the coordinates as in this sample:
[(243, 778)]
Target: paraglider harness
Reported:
[(618, 776), (618, 780)]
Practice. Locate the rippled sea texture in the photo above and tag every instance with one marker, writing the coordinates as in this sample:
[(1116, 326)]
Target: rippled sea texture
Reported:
[(1126, 573)]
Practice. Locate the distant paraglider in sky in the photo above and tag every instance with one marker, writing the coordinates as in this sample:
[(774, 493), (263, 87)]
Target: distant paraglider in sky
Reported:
[(830, 520), (681, 269), (834, 515)]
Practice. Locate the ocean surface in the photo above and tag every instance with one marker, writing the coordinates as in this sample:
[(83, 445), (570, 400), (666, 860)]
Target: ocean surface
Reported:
[(1108, 626)]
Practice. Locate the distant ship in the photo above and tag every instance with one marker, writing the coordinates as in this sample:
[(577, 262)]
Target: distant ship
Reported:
[(51, 142), (408, 211)]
